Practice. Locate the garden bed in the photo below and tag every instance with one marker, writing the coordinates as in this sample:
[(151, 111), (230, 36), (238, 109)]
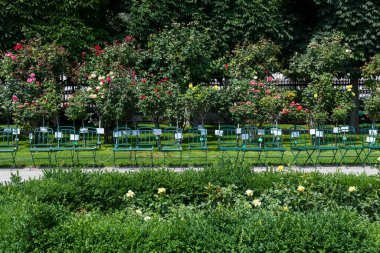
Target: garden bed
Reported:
[(223, 208)]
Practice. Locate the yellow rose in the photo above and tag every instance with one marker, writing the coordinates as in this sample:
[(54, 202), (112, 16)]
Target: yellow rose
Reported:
[(161, 190), (191, 86), (280, 168), (352, 189), (353, 94), (301, 188), (315, 95)]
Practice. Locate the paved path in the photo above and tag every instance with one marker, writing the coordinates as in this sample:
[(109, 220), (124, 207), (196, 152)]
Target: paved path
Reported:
[(34, 173)]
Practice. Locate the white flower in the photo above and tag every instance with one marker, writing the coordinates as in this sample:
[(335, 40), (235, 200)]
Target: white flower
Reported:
[(146, 218), (255, 77), (93, 75), (161, 190), (249, 193), (92, 96), (352, 189), (378, 159), (89, 89), (130, 194), (348, 51), (256, 202), (100, 78), (110, 73), (138, 212)]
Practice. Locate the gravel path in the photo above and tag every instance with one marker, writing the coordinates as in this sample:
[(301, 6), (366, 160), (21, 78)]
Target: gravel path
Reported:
[(35, 173)]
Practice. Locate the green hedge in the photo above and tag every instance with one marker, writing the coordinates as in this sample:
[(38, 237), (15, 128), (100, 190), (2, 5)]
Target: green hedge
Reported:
[(201, 211)]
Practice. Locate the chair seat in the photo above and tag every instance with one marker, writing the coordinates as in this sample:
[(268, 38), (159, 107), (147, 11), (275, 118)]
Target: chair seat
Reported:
[(164, 149), (372, 146), (117, 149), (8, 150), (41, 149), (85, 148), (351, 147), (63, 148), (142, 148)]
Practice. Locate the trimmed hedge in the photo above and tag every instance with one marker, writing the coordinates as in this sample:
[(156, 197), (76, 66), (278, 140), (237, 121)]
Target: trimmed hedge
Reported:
[(200, 211)]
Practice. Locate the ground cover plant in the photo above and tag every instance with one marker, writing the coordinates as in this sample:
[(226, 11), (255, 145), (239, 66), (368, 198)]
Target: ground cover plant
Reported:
[(225, 207)]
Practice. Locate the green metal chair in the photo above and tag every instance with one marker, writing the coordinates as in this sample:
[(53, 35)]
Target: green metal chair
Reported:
[(228, 139), (273, 144), (172, 141), (370, 141), (66, 139), (122, 137), (348, 141), (197, 141), (252, 142), (146, 141), (89, 141), (42, 141), (299, 144), (326, 145), (9, 142)]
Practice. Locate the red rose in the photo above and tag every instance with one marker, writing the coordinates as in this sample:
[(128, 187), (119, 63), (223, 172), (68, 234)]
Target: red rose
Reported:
[(155, 90), (17, 47), (226, 66), (108, 79), (299, 108), (129, 38), (142, 97), (98, 47)]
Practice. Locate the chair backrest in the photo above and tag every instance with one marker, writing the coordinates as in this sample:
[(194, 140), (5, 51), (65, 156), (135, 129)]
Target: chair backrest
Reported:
[(346, 135), (65, 136), (197, 138), (172, 136), (42, 137), (370, 136), (250, 137), (88, 137), (273, 137), (146, 137), (227, 136), (122, 137), (8, 137), (324, 137), (298, 136)]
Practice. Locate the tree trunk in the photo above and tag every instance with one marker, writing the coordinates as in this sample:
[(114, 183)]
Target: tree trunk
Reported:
[(354, 117)]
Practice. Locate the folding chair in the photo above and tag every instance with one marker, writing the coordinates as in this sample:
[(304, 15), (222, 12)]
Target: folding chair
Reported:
[(228, 139), (146, 141), (9, 142), (326, 146), (89, 141), (42, 141), (299, 144), (172, 142), (252, 142), (122, 142), (347, 141), (370, 142), (65, 139), (197, 141), (273, 143)]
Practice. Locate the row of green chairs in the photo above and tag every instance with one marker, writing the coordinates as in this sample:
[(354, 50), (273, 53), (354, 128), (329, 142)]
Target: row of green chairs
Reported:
[(147, 139), (66, 138), (326, 143), (251, 140)]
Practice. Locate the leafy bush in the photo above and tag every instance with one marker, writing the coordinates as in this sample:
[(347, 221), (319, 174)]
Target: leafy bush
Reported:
[(225, 207)]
